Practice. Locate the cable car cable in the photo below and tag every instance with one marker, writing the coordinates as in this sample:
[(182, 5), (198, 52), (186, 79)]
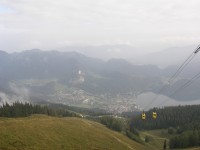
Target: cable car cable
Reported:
[(175, 75), (185, 63), (194, 78), (180, 69)]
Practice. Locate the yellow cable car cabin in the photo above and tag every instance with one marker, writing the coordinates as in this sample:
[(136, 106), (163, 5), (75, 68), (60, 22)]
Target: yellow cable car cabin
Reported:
[(143, 116), (154, 115)]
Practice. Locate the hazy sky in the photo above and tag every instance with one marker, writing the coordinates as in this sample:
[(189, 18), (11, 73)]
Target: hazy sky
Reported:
[(148, 25)]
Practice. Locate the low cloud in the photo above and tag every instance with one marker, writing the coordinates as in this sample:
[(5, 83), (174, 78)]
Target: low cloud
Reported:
[(20, 91), (48, 24)]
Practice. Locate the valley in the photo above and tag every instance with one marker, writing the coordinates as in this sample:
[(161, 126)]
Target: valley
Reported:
[(99, 75), (73, 79)]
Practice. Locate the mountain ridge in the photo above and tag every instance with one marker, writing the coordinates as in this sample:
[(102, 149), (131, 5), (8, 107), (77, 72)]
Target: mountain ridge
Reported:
[(75, 79)]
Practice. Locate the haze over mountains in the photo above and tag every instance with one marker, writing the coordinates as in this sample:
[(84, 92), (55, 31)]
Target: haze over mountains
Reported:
[(168, 57), (75, 79), (105, 52), (176, 55)]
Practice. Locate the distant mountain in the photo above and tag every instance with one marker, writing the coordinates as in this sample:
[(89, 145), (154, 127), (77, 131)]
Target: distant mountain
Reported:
[(66, 65), (75, 79), (105, 52), (168, 57)]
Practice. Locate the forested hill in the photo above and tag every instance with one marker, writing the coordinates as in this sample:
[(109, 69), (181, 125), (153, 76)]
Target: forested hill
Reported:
[(185, 117)]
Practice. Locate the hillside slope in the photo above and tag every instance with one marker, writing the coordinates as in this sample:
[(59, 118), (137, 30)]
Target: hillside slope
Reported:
[(42, 132)]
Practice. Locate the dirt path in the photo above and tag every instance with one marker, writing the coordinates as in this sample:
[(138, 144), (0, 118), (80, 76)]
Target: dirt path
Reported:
[(127, 145), (86, 122)]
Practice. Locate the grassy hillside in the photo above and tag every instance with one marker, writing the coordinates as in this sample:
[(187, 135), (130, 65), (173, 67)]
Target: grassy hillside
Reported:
[(42, 132)]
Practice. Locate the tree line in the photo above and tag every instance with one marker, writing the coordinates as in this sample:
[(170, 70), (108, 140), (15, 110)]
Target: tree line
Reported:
[(182, 121), (185, 117), (186, 139), (18, 109)]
